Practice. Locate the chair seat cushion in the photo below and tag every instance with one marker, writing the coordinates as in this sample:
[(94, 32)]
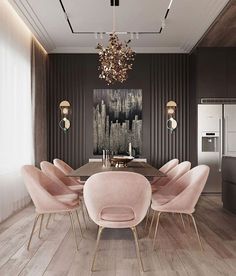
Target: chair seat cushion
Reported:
[(117, 213), (66, 198), (76, 187)]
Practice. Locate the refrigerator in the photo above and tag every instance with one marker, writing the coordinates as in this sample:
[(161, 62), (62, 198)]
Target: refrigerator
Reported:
[(216, 137)]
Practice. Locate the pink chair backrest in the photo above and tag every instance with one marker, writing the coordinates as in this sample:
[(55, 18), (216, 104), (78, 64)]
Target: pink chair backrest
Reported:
[(178, 170), (175, 173), (187, 189), (63, 166), (169, 166), (56, 174), (41, 189), (117, 189)]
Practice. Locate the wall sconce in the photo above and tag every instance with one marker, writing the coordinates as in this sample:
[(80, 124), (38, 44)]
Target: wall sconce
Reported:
[(65, 110), (171, 122)]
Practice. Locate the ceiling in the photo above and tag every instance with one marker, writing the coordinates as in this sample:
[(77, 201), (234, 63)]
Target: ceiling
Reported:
[(223, 31), (185, 24)]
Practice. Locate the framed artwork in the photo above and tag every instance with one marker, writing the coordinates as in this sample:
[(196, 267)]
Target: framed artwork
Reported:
[(117, 120)]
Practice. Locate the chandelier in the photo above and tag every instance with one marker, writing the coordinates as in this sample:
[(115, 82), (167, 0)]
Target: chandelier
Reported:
[(115, 60)]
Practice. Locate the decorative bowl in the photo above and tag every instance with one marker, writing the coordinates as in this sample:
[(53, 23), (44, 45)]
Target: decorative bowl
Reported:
[(121, 161)]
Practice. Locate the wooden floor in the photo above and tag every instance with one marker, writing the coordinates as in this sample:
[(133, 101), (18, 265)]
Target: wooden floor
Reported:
[(177, 251)]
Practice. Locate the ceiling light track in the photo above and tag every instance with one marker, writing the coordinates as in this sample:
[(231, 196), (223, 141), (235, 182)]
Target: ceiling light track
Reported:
[(116, 3)]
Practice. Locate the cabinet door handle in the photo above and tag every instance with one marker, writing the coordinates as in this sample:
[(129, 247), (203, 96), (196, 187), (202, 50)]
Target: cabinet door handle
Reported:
[(221, 144)]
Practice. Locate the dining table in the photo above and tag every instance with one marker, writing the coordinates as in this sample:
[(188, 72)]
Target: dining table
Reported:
[(142, 168)]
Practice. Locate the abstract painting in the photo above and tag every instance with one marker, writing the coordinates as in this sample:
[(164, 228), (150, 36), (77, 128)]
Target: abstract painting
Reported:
[(117, 121)]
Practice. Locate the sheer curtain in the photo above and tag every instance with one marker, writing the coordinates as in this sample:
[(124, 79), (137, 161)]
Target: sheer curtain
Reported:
[(16, 139)]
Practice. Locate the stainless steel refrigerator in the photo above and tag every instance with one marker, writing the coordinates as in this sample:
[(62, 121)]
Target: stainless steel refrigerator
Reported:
[(216, 137)]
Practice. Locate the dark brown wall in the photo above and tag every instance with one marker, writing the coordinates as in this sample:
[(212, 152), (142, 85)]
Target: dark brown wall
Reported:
[(162, 77), (215, 72)]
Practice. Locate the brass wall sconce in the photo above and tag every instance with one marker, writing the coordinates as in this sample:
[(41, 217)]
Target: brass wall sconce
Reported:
[(171, 122), (65, 108)]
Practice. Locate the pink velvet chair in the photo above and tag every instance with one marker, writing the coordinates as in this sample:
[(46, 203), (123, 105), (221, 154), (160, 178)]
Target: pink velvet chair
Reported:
[(57, 175), (173, 174), (65, 168), (117, 200), (166, 168), (180, 196), (49, 197), (169, 165)]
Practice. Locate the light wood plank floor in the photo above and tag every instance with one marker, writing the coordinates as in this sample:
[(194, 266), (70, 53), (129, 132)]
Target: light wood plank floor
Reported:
[(177, 250)]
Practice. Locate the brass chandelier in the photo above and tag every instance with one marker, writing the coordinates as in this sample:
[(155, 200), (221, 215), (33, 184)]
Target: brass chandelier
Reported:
[(115, 59)]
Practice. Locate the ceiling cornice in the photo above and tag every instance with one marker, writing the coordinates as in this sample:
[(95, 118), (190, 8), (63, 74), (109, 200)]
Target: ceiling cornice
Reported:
[(138, 50), (27, 13)]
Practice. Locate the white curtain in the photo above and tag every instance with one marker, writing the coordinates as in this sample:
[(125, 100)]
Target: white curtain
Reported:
[(16, 142)]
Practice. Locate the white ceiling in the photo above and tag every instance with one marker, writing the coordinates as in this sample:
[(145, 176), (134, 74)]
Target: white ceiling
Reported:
[(186, 23)]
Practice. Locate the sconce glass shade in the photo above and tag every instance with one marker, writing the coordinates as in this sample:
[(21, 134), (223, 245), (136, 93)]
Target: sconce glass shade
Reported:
[(65, 108), (171, 123), (170, 110), (65, 111), (171, 104)]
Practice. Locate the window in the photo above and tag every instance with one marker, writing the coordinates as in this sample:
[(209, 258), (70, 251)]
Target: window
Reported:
[(16, 142), (15, 92)]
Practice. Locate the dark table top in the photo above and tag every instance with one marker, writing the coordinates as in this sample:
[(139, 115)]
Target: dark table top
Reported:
[(138, 167)]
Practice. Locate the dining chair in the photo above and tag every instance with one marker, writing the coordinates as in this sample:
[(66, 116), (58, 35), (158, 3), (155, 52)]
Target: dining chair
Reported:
[(173, 174), (65, 168), (165, 169), (169, 165), (57, 175), (181, 196), (117, 200), (49, 197)]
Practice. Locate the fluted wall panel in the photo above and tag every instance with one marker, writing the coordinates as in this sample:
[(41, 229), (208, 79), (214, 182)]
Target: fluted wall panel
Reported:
[(169, 80), (65, 82), (162, 77)]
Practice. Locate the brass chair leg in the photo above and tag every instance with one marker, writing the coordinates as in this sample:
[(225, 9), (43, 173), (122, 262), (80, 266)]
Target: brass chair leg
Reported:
[(155, 234), (80, 228), (196, 230), (40, 227), (82, 210), (182, 219), (137, 249), (73, 228), (32, 231), (150, 229), (86, 211), (49, 216), (189, 221), (100, 229), (147, 217)]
